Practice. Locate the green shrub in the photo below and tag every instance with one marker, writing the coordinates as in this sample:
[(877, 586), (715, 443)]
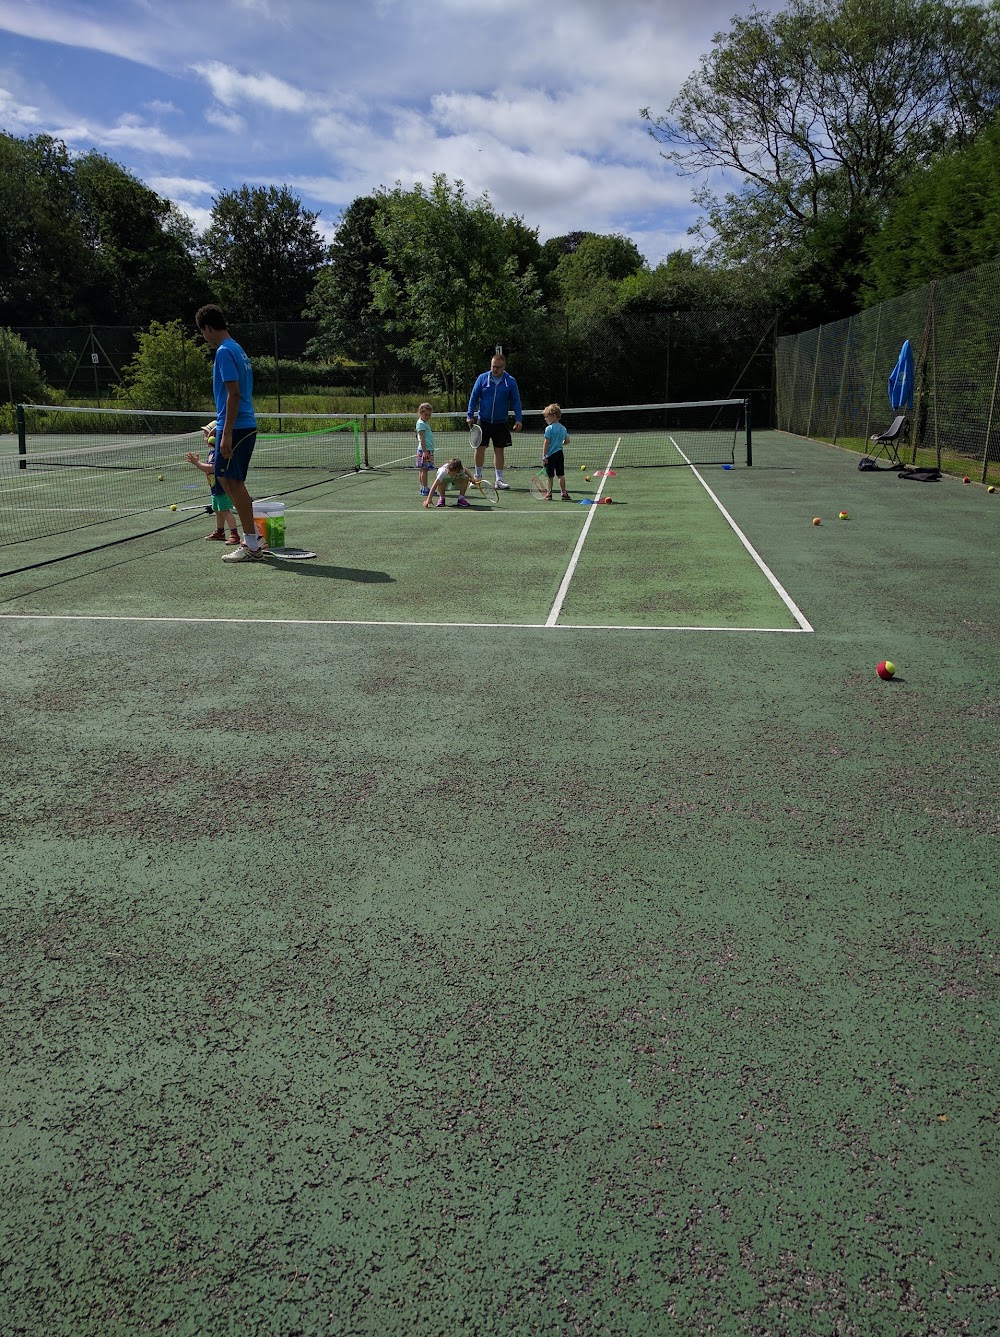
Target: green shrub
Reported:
[(21, 379), (169, 371)]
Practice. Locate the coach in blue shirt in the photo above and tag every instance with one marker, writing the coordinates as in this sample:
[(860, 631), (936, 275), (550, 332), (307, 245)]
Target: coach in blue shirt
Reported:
[(493, 397)]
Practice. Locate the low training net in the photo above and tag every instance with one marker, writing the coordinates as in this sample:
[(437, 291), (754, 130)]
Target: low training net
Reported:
[(78, 468)]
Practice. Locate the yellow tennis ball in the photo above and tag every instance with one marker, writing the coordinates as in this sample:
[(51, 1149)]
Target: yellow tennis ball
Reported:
[(582, 467), (991, 488), (173, 508), (586, 478), (159, 478)]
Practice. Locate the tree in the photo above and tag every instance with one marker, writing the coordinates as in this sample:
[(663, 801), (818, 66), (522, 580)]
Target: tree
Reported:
[(824, 108), (44, 260), (587, 276), (21, 379), (170, 370), (944, 221), (262, 253), (341, 302), (142, 268), (454, 284), (85, 242)]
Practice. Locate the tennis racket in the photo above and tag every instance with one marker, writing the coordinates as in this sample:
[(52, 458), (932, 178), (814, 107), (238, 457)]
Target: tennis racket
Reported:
[(291, 554), (540, 486), (486, 491), (475, 436)]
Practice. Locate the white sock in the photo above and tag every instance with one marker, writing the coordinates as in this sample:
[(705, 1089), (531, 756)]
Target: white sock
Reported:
[(477, 472), (499, 475), (252, 540)]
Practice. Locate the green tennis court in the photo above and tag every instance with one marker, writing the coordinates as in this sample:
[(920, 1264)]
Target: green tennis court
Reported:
[(532, 918)]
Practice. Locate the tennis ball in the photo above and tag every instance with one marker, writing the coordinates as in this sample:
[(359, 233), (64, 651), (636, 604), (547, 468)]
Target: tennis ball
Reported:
[(843, 515), (159, 478), (582, 467), (991, 488), (886, 669), (173, 508), (586, 479), (817, 520)]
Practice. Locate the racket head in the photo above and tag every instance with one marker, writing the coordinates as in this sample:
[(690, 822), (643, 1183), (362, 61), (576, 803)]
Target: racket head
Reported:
[(480, 489), (291, 554), (475, 436), (540, 487)]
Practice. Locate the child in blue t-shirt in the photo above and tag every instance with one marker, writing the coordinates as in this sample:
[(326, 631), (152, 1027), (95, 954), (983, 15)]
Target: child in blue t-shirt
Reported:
[(553, 459), (222, 506), (425, 446)]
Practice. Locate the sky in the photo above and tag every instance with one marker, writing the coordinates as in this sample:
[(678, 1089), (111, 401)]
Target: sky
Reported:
[(535, 102)]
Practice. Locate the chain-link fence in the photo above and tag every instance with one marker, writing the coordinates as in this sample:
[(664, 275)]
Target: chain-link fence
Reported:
[(620, 358), (832, 382)]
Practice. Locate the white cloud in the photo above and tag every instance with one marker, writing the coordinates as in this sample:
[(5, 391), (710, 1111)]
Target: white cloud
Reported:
[(232, 87), (229, 121), (130, 133), (180, 185), (18, 115), (199, 216)]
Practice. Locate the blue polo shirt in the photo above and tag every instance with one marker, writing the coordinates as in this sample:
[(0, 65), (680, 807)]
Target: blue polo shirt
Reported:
[(232, 364)]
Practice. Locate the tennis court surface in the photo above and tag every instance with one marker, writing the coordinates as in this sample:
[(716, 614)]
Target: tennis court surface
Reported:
[(533, 918)]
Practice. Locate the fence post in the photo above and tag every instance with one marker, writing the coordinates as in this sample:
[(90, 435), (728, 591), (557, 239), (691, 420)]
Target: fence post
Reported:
[(22, 438), (989, 420), (871, 383), (934, 398), (843, 377), (812, 388), (277, 373)]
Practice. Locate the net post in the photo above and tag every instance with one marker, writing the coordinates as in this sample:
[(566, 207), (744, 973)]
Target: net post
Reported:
[(746, 410), (365, 430), (22, 438)]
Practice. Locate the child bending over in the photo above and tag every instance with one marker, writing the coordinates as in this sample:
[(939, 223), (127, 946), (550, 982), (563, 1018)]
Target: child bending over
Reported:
[(453, 474)]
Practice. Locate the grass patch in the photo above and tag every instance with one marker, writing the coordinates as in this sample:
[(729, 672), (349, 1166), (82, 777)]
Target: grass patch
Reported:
[(958, 466)]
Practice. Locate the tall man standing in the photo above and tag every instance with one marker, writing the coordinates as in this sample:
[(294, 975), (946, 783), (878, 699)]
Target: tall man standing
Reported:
[(493, 396), (235, 425)]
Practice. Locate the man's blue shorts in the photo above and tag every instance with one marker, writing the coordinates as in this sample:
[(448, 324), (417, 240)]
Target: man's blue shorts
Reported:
[(235, 468)]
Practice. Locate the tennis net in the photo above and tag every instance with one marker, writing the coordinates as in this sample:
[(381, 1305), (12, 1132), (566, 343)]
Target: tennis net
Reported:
[(640, 435), (76, 468)]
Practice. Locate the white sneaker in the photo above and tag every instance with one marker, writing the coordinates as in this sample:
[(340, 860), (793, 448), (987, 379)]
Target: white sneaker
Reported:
[(501, 486), (245, 554)]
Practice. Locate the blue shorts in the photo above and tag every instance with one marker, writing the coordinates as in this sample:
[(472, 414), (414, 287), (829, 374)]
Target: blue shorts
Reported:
[(235, 468)]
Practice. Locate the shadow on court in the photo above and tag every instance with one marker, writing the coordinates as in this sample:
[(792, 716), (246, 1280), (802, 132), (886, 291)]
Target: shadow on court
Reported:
[(352, 574)]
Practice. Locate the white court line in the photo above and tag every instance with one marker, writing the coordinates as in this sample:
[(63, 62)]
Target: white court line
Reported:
[(779, 589), (563, 590), (373, 622)]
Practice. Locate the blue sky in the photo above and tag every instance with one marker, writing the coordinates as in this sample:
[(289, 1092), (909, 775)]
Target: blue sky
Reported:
[(534, 101)]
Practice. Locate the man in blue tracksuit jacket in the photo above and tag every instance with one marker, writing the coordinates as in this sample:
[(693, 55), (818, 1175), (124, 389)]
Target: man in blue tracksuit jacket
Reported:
[(493, 396)]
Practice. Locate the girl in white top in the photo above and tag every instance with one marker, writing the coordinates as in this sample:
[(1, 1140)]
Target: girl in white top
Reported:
[(452, 474)]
